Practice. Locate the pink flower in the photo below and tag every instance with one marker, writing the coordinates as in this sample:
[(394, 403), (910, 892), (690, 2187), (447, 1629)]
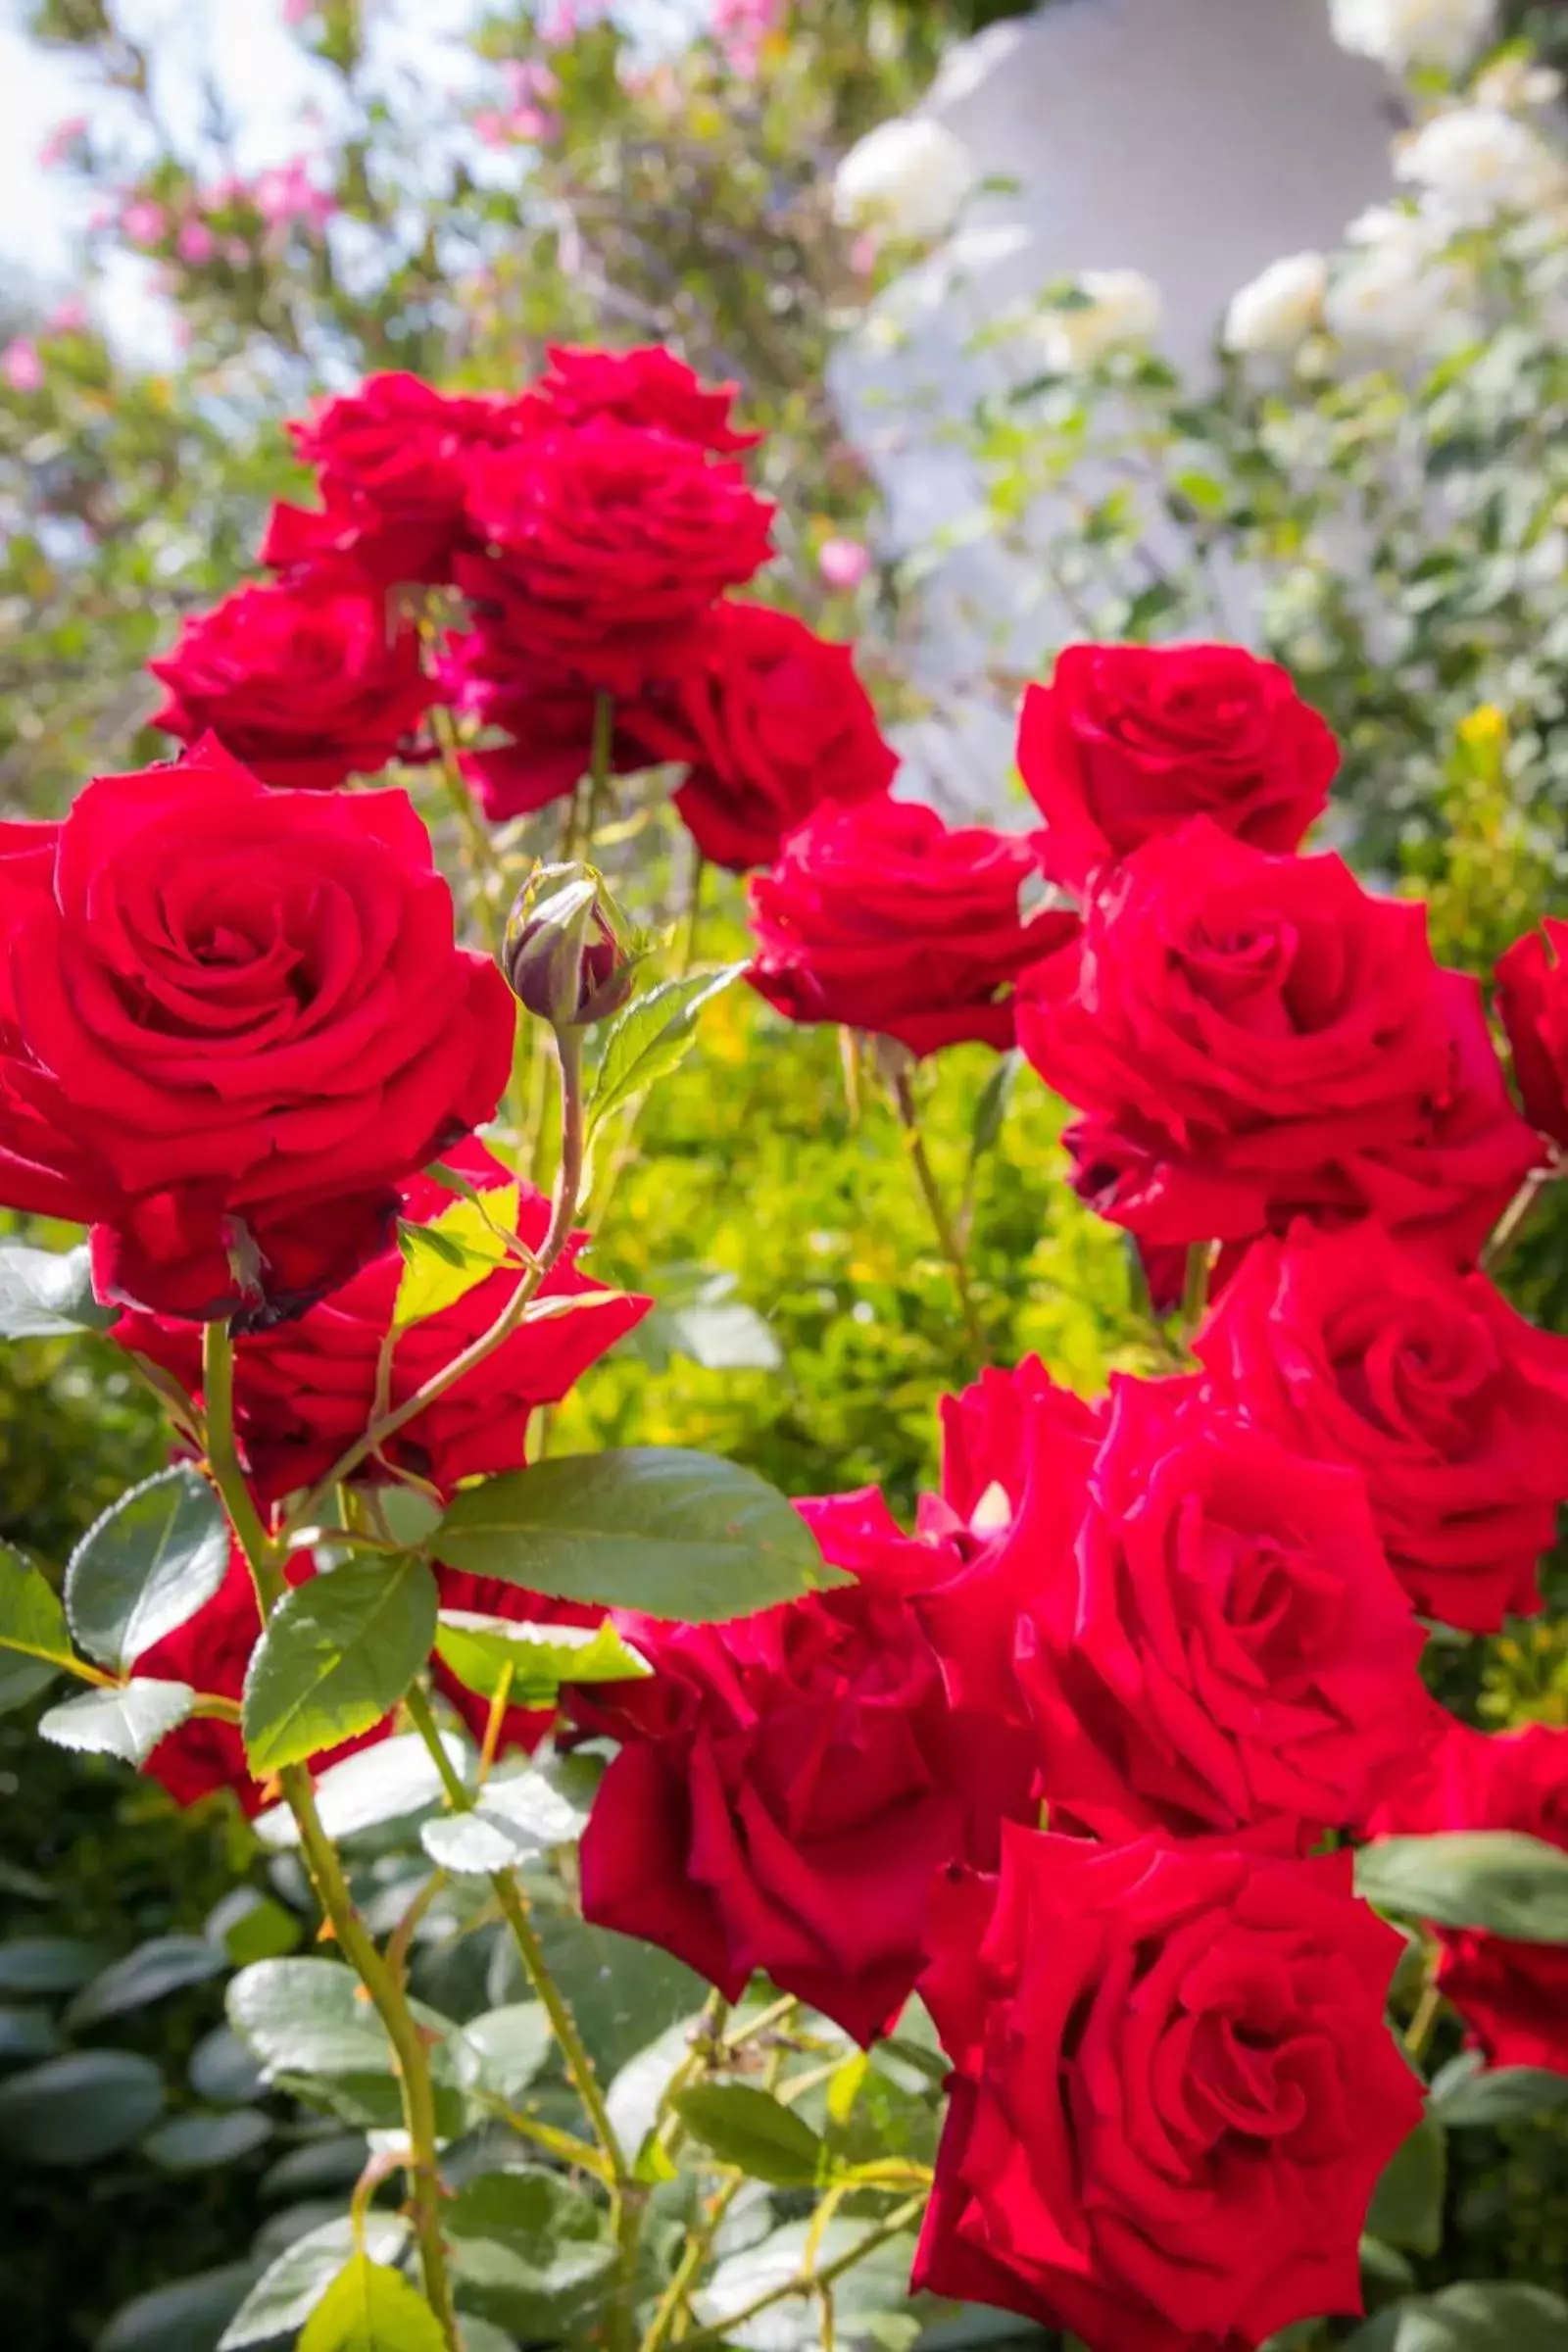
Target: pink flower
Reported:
[(64, 136), (529, 77), (298, 12), (237, 253), (842, 562), (863, 255), (143, 221), (196, 243), (69, 318), (21, 366)]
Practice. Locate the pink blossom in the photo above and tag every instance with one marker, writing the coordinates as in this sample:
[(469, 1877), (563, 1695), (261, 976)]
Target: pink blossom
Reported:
[(143, 221), (842, 562), (863, 255), (223, 192), (286, 194), (529, 77), (21, 366), (237, 253), (298, 12), (196, 243), (67, 317), (64, 136)]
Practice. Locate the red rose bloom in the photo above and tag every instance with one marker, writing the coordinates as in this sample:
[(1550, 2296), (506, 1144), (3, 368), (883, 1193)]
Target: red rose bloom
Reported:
[(521, 1728), (1452, 1407), (770, 720), (307, 686), (547, 712), (41, 1169), (786, 1788), (1129, 741), (1533, 1001), (1513, 1996), (878, 917), (210, 1651), (393, 461), (1253, 1037), (242, 1014), (648, 386), (304, 1390), (1174, 2089), (608, 545)]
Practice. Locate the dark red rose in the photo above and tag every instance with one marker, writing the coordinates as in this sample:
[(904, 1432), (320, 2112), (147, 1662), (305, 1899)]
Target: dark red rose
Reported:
[(210, 1651), (1513, 1996), (1219, 1643), (787, 1785), (306, 685), (243, 1016), (547, 712), (607, 545), (392, 460), (41, 1169), (648, 386), (1453, 1408), (304, 1390), (1174, 2089), (1533, 1001), (772, 721), (1129, 741), (521, 1728), (878, 917), (1254, 1038)]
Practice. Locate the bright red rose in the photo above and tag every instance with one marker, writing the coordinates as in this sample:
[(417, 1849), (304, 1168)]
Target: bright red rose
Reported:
[(1513, 1996), (1453, 1408), (41, 1169), (393, 460), (240, 1020), (608, 545), (1129, 741), (306, 685), (210, 1651), (304, 1390), (772, 721), (1254, 1038), (1533, 1001), (547, 712), (521, 1728), (1174, 2089), (786, 1788), (648, 386), (1218, 1643), (878, 917)]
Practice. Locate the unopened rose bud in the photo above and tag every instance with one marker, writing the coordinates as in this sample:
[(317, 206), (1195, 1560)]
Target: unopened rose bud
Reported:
[(566, 955)]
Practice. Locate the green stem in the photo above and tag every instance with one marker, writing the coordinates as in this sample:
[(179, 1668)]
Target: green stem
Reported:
[(1194, 1289), (941, 1222), (694, 910), (1509, 1231), (724, 2330), (600, 757), (223, 1460)]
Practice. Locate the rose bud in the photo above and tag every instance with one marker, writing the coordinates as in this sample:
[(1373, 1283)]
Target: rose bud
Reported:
[(566, 955)]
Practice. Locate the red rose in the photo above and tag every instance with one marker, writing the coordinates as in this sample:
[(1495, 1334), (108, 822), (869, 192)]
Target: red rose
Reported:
[(786, 1788), (1452, 1407), (393, 461), (243, 1016), (210, 1651), (1254, 1038), (305, 1390), (547, 712), (648, 386), (307, 686), (40, 1169), (521, 1728), (772, 720), (1209, 1637), (1513, 1996), (608, 545), (878, 917), (1533, 1001), (1174, 2089), (1129, 741)]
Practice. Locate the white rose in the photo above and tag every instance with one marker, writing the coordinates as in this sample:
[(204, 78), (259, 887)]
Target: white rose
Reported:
[(1401, 34), (1475, 161), (910, 176), (1393, 288), (1120, 306), (1275, 313)]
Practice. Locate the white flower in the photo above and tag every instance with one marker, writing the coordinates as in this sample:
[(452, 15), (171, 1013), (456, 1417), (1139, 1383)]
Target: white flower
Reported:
[(1514, 81), (1401, 34), (1280, 307), (1393, 287), (1476, 161), (1118, 306), (910, 177)]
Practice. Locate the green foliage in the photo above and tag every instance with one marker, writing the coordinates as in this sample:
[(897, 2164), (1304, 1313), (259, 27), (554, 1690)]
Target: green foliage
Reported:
[(146, 1566), (1499, 1880), (370, 2307), (337, 1655)]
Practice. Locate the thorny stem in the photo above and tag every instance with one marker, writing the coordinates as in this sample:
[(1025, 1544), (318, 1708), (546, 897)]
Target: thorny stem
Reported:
[(1510, 1228), (1194, 1289), (223, 1460), (941, 1221), (1425, 2018), (600, 757)]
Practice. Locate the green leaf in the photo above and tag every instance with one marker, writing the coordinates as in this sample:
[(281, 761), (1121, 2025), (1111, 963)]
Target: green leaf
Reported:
[(222, 2069), (637, 2094), (368, 2308), (529, 2251), (877, 2286), (48, 1293), (662, 1529), (127, 1723), (501, 2052), (163, 1965), (194, 2143), (330, 2164), (622, 1991), (1501, 2316), (1406, 2208), (251, 1925), (47, 1963), (390, 1781), (337, 1654), (653, 1037), (22, 1679), (310, 2016), (451, 1255), (748, 2128), (27, 2034), (1498, 1879), (513, 1821), (186, 2317), (480, 1650), (32, 1619), (991, 1112), (146, 1566), (78, 2109), (1467, 2093), (289, 2289)]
